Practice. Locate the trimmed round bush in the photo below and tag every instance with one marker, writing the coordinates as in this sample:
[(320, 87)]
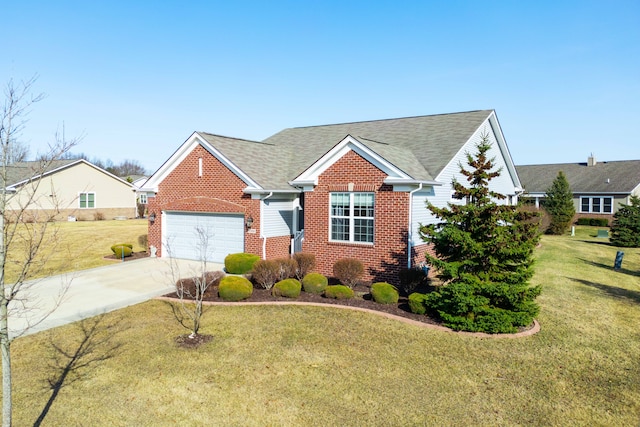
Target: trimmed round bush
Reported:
[(417, 303), (289, 288), (314, 283), (241, 263), (338, 292), (235, 288), (348, 271), (384, 293), (122, 249)]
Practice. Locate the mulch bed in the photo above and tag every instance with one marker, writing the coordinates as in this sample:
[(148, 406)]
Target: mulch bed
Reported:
[(134, 256), (363, 299)]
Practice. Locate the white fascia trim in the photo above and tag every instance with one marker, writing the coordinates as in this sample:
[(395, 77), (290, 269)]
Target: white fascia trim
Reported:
[(258, 193), (183, 151), (504, 148), (349, 143)]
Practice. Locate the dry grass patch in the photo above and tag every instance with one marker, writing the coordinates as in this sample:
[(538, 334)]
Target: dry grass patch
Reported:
[(292, 365)]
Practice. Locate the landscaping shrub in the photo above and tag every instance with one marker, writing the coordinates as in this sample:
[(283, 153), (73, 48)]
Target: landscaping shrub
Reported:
[(235, 288), (596, 222), (265, 273), (143, 240), (240, 263), (348, 271), (305, 263), (188, 286), (287, 268), (416, 303), (338, 292), (384, 293), (625, 230), (122, 249), (410, 279), (289, 288), (314, 283), (98, 216)]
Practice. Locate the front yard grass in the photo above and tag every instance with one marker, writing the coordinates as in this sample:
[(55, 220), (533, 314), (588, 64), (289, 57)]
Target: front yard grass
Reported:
[(80, 245), (291, 365)]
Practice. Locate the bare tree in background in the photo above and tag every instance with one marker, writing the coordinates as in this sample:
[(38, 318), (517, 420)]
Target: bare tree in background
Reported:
[(25, 240), (191, 290)]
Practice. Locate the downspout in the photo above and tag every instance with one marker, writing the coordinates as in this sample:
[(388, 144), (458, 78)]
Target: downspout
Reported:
[(410, 233), (262, 236)]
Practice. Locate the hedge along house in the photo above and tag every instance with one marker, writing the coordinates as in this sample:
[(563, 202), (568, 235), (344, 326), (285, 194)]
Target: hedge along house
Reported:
[(598, 187), (356, 190), (67, 188)]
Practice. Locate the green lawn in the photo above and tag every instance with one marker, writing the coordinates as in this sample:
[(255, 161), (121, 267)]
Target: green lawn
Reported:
[(290, 365)]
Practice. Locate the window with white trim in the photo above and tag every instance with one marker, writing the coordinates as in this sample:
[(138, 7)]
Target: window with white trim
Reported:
[(87, 200), (142, 199), (351, 217), (596, 205)]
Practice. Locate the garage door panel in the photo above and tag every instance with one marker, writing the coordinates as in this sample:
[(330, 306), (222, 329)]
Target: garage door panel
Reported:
[(223, 233)]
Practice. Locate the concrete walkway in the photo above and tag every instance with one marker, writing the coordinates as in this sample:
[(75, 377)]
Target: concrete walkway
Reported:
[(96, 291)]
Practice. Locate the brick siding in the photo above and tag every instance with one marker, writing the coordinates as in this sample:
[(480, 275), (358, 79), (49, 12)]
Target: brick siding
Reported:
[(388, 254)]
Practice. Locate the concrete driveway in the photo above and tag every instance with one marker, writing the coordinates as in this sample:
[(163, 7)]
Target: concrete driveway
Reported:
[(96, 291)]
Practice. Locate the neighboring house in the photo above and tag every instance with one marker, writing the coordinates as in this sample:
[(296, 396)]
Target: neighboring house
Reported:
[(142, 200), (598, 187), (355, 190), (68, 188)]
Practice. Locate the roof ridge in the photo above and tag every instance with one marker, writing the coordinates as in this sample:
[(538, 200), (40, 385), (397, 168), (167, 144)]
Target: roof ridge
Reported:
[(387, 120), (233, 137)]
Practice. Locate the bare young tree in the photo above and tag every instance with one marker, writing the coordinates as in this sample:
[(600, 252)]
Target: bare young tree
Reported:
[(25, 238), (191, 290)]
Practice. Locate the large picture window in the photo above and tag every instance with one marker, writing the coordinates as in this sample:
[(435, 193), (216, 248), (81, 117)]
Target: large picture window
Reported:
[(351, 217), (596, 205), (87, 200)]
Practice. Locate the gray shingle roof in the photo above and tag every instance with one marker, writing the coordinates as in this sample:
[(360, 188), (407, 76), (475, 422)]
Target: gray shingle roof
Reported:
[(21, 171), (603, 177), (420, 146)]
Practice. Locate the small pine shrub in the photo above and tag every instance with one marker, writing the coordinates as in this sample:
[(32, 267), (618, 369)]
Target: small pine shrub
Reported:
[(305, 263), (348, 271), (338, 292), (416, 303), (314, 283), (235, 288), (384, 293), (289, 288), (122, 249), (265, 273), (240, 263)]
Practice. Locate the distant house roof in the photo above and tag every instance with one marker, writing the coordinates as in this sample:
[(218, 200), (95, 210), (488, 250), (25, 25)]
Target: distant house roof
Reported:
[(419, 146), (617, 177), (21, 172)]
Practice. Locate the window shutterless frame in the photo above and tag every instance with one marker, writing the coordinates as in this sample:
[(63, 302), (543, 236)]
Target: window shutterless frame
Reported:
[(87, 200), (351, 217)]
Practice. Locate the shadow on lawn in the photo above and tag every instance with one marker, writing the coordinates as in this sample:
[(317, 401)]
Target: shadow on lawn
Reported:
[(94, 344), (611, 290), (610, 267)]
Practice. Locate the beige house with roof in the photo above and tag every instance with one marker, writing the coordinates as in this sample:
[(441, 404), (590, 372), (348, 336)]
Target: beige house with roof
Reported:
[(67, 189)]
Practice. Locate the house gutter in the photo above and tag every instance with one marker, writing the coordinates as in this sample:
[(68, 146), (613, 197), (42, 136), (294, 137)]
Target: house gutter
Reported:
[(410, 234), (262, 236)]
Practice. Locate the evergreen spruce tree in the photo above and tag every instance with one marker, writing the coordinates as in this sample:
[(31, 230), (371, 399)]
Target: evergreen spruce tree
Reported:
[(559, 203), (484, 253), (625, 230)]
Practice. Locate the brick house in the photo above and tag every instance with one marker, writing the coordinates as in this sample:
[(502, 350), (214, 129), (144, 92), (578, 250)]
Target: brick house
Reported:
[(598, 187), (345, 190)]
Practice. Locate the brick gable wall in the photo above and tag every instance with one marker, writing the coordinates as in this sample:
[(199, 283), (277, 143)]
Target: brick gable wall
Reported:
[(218, 190), (388, 254)]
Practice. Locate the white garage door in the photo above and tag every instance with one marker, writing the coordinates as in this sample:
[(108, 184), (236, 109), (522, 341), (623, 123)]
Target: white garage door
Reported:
[(223, 235)]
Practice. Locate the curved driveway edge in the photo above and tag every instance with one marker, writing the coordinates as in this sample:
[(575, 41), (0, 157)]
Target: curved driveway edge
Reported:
[(531, 331), (97, 291)]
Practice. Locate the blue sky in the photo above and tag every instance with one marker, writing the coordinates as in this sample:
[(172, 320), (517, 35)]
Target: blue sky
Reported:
[(137, 78)]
